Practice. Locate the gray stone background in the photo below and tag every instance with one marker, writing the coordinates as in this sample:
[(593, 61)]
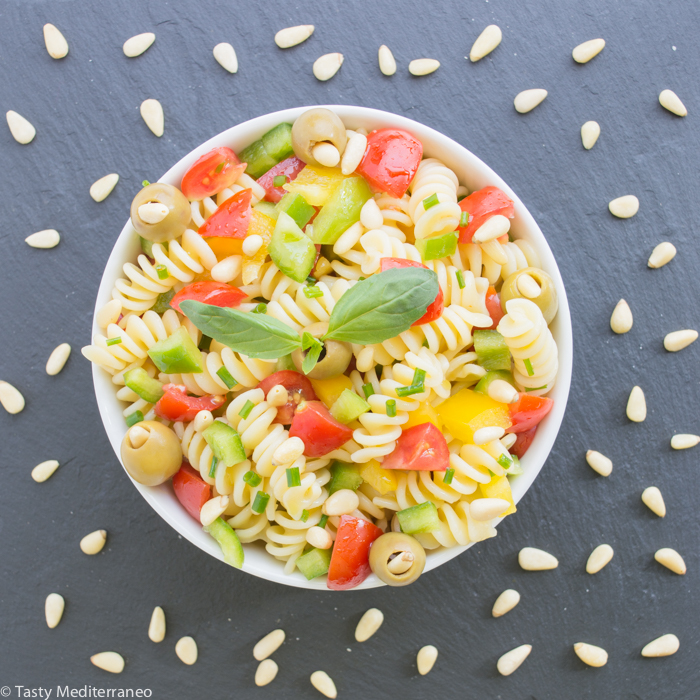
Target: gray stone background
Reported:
[(85, 109)]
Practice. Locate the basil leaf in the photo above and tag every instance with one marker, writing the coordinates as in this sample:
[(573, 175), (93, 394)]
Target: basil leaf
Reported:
[(254, 335), (311, 358), (383, 305)]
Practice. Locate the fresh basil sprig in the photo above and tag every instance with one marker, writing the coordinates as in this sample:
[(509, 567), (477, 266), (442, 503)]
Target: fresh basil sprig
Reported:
[(314, 348)]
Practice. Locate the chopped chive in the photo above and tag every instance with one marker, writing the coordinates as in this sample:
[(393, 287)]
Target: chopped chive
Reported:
[(504, 461), (247, 408), (311, 280), (226, 377), (528, 367), (460, 279), (425, 344), (418, 378), (536, 388), (304, 516), (162, 272), (293, 477), (391, 408), (447, 479), (279, 180), (464, 219), (260, 502), (212, 468), (430, 201), (134, 418), (322, 522), (220, 167), (312, 291), (260, 309), (145, 183), (409, 390), (252, 479), (368, 390), (113, 341)]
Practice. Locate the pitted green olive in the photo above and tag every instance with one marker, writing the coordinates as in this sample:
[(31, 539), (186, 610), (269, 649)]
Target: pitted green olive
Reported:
[(316, 126), (160, 212), (397, 559), (517, 286), (151, 452), (334, 360)]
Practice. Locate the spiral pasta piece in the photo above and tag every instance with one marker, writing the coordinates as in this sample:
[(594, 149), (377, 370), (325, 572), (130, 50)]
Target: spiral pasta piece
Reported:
[(434, 178)]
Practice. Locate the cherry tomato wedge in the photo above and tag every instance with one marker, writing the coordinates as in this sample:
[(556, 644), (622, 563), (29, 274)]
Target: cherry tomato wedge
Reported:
[(422, 447), (434, 310), (527, 412), (349, 565), (298, 389), (191, 490), (523, 442), (290, 168), (214, 293), (175, 404), (482, 205), (390, 161), (212, 173), (231, 219), (493, 306), (318, 430)]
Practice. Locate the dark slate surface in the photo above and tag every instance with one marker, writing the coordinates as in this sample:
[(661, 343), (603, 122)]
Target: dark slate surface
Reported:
[(85, 109)]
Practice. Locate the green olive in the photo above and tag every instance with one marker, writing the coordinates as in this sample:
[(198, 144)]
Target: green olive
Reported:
[(387, 548), (151, 452), (316, 126), (547, 298), (175, 221), (335, 358)]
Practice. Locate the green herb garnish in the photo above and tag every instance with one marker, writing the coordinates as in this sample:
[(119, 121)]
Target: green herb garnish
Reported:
[(391, 408), (113, 341), (133, 418), (293, 477), (247, 408), (449, 474), (260, 502), (528, 367), (430, 201), (252, 479), (226, 377)]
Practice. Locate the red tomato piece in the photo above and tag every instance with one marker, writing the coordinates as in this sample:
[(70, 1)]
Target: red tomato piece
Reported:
[(290, 168), (422, 447), (527, 412), (318, 430), (434, 310), (191, 490), (212, 173), (175, 404), (522, 442), (214, 293), (482, 205), (349, 565), (298, 389), (231, 219), (493, 306), (390, 161)]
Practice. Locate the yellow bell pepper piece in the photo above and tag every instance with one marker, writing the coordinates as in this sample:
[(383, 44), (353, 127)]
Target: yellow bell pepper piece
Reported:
[(316, 184), (263, 226), (425, 413), (467, 411), (499, 487), (383, 480), (328, 390), (224, 247)]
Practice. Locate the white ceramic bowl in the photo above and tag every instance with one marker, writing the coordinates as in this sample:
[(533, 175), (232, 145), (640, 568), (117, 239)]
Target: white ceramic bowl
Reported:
[(474, 174)]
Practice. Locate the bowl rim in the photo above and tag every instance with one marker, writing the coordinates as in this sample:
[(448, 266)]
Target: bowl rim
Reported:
[(162, 499)]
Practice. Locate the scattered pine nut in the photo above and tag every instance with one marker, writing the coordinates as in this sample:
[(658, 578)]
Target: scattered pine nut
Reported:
[(670, 101), (156, 627), (326, 154), (637, 405), (590, 132), (624, 207), (102, 188), (56, 43), (667, 645), (268, 645), (44, 470), (533, 559), (671, 560), (486, 42), (94, 542), (342, 502), (225, 56), (186, 650), (353, 153), (326, 66), (527, 100), (588, 50), (528, 287), (654, 501), (153, 212), (426, 658), (678, 340), (662, 254), (319, 537), (369, 623), (621, 320), (109, 313), (483, 436), (48, 238), (53, 609), (600, 558), (10, 398), (152, 114), (591, 655), (108, 661), (22, 129), (291, 36), (513, 659), (684, 441), (212, 509), (484, 509), (324, 684), (505, 602), (138, 44), (266, 672), (57, 360), (277, 396), (494, 227), (387, 63), (423, 66), (599, 463)]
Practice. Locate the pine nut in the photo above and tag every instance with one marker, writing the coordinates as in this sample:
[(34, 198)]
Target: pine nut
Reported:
[(662, 255), (624, 207), (670, 101), (152, 114), (252, 244), (505, 602), (591, 655), (109, 313), (426, 659), (22, 129), (527, 100), (326, 154), (667, 645), (102, 188), (503, 392), (266, 672), (227, 269), (654, 501), (43, 471), (186, 650), (153, 212), (53, 609), (599, 463), (57, 360), (485, 435), (533, 559), (483, 509), (508, 440), (678, 340), (684, 441), (326, 66), (56, 43), (494, 227), (137, 436), (43, 239), (318, 537), (10, 398), (401, 563), (324, 684), (637, 405), (621, 320), (369, 623), (671, 560), (108, 661), (423, 66), (94, 542), (203, 420), (277, 396), (342, 502), (512, 660), (387, 63), (528, 287), (353, 153), (291, 36), (600, 558), (225, 56), (588, 50), (156, 627), (292, 448), (486, 42), (590, 132), (212, 509), (138, 44), (268, 645)]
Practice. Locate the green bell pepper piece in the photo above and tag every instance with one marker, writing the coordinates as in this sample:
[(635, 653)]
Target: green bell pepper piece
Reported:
[(438, 247), (227, 538), (225, 443), (341, 211), (177, 354), (291, 249), (146, 387), (297, 207)]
